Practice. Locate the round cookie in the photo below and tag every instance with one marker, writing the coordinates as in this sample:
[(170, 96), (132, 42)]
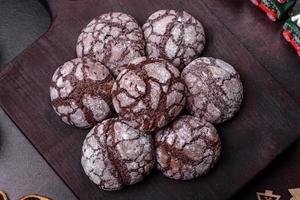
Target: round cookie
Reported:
[(113, 39), (80, 92), (114, 154), (175, 36), (214, 89), (187, 148), (149, 93)]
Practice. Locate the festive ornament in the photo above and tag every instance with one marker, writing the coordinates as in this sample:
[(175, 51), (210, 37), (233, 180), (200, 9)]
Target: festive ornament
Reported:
[(291, 32), (275, 9), (295, 193), (268, 195)]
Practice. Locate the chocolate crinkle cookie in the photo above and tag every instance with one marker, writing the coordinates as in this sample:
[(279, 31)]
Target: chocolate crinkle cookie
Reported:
[(214, 89), (175, 36), (80, 92), (114, 154), (149, 93), (187, 148), (113, 39)]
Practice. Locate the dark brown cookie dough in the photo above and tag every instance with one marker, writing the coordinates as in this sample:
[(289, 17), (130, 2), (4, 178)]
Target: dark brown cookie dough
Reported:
[(149, 93), (80, 92), (175, 36), (114, 154), (214, 89), (187, 148), (114, 39)]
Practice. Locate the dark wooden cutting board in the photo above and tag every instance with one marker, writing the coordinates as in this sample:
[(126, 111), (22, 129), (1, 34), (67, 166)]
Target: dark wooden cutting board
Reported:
[(266, 124)]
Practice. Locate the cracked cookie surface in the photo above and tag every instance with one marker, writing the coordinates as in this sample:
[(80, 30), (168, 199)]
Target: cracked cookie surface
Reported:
[(80, 92), (113, 39), (115, 154), (175, 36), (187, 148), (214, 89), (149, 93)]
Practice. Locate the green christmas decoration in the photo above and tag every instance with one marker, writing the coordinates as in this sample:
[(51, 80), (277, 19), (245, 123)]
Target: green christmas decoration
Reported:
[(275, 9), (291, 32)]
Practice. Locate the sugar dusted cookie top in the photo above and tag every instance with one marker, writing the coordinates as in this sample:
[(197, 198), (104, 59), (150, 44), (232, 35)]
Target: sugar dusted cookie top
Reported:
[(175, 36), (187, 148), (214, 89), (114, 39), (80, 92), (149, 93), (115, 154)]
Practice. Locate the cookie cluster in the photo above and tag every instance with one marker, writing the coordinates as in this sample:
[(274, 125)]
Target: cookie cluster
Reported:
[(149, 97)]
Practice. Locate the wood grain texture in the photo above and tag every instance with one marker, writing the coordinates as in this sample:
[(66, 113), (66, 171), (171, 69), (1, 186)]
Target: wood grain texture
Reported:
[(266, 124), (263, 40)]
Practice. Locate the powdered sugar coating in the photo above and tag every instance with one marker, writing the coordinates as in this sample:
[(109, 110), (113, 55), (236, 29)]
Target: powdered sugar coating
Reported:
[(214, 89), (115, 154), (80, 92), (175, 36), (187, 148), (113, 39), (149, 93)]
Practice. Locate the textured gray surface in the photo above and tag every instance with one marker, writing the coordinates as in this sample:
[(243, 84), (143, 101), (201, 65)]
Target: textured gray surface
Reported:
[(21, 23), (22, 169)]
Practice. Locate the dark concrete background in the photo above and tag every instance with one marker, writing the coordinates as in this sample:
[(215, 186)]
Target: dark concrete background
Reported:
[(21, 22)]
